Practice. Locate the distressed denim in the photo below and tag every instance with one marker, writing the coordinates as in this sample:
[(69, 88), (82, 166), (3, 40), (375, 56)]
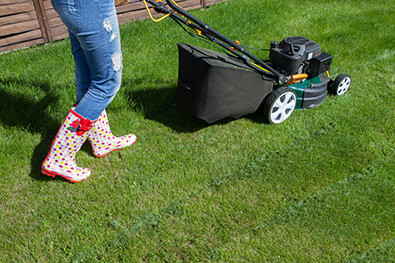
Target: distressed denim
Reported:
[(96, 48)]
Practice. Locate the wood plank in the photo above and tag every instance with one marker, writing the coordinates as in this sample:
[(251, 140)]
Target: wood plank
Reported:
[(51, 13), (59, 29), (48, 5), (132, 16), (61, 37), (55, 22), (189, 4), (42, 20), (59, 32), (210, 2), (34, 34), (9, 2), (140, 6), (129, 7), (11, 19), (21, 45), (16, 8), (18, 27)]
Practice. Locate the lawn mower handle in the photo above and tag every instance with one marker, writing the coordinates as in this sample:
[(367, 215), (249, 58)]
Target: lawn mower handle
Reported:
[(226, 40), (218, 38)]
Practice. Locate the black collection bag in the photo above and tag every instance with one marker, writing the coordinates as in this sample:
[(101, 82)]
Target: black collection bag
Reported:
[(213, 86)]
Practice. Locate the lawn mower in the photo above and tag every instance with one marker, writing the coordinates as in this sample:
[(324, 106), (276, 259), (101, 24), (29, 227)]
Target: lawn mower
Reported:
[(232, 83)]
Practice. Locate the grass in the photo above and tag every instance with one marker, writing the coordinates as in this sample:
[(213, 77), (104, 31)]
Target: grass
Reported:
[(317, 188)]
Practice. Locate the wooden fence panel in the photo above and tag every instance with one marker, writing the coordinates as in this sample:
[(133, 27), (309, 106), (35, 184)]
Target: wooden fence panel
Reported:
[(57, 29), (18, 24), (24, 23)]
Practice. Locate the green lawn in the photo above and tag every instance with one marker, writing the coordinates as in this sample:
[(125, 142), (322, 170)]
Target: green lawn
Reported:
[(317, 188)]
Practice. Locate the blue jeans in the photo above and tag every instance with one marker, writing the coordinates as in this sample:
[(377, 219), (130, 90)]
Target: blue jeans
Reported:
[(96, 47)]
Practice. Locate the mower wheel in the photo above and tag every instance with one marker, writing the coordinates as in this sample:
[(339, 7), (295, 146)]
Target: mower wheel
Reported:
[(340, 85), (279, 105)]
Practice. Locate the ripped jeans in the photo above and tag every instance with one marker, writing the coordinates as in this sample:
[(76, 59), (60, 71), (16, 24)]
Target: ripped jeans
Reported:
[(96, 47)]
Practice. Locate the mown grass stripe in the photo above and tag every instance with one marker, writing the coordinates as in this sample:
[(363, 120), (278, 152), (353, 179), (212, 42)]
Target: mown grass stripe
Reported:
[(296, 213), (147, 221), (331, 214), (385, 252)]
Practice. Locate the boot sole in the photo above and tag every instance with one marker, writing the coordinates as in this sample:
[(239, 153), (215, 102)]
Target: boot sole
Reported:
[(53, 174), (100, 156)]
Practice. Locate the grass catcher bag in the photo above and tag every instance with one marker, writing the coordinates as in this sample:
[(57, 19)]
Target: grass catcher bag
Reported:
[(213, 86)]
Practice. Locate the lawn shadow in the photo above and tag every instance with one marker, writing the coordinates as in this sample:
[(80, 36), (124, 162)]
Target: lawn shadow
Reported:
[(31, 116), (158, 104)]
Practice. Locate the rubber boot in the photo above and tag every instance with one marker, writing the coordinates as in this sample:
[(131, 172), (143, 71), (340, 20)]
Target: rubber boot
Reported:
[(103, 141), (68, 141)]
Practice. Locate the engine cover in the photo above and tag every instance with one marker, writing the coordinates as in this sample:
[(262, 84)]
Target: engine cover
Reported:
[(291, 55)]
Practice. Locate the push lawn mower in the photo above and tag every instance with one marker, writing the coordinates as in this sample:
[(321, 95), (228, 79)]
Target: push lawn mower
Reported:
[(233, 83)]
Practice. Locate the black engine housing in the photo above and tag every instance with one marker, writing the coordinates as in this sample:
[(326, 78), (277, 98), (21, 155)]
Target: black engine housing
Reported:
[(294, 54)]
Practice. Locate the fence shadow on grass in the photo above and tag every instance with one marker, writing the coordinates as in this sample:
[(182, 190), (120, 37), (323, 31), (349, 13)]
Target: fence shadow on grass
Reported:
[(29, 115)]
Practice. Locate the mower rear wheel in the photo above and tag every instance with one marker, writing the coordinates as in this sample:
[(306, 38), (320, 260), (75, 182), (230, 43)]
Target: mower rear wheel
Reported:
[(340, 85), (279, 105)]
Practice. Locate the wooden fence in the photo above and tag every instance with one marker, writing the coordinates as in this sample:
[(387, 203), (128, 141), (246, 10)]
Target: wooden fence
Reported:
[(24, 23)]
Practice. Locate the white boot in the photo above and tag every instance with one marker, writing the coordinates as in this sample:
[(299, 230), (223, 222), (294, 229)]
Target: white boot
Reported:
[(68, 141), (103, 141)]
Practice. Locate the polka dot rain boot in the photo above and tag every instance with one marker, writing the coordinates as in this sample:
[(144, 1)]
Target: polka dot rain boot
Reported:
[(68, 141), (103, 141)]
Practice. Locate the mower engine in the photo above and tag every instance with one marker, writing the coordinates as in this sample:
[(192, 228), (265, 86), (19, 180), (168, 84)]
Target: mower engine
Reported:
[(299, 55)]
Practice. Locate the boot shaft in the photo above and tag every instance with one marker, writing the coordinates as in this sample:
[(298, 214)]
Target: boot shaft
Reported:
[(68, 141), (102, 139)]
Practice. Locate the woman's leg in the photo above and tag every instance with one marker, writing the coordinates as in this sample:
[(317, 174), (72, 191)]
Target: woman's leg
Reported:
[(82, 72), (100, 41), (94, 25), (96, 47), (94, 34)]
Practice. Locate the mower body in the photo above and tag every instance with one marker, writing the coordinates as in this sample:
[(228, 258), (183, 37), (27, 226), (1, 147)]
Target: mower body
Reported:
[(213, 86), (311, 92), (299, 55)]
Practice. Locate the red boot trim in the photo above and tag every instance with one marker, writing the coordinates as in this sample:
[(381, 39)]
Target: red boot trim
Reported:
[(81, 126), (53, 174)]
